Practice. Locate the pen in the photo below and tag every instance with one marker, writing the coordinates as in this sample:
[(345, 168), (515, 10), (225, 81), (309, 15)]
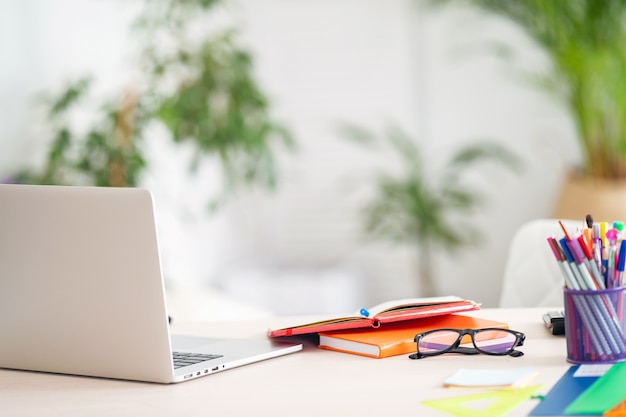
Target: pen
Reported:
[(621, 263), (584, 265), (603, 227), (605, 264), (588, 232), (570, 260), (611, 237), (597, 254), (565, 233), (588, 258)]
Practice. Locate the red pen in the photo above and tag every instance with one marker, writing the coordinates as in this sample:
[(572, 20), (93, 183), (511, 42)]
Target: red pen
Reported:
[(589, 261)]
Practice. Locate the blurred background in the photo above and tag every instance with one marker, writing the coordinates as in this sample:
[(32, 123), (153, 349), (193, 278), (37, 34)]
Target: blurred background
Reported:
[(301, 245)]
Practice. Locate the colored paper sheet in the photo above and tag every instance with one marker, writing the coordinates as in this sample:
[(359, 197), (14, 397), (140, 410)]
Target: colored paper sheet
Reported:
[(563, 393), (491, 378), (486, 404), (618, 411), (605, 393)]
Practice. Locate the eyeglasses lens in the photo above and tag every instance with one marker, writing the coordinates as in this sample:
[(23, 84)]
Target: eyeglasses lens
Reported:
[(439, 341), (490, 341), (495, 341)]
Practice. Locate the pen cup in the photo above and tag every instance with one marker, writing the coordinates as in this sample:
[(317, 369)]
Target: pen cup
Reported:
[(595, 325)]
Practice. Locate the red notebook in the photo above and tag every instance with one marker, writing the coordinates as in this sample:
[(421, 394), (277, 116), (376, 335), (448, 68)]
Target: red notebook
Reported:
[(397, 338), (389, 312)]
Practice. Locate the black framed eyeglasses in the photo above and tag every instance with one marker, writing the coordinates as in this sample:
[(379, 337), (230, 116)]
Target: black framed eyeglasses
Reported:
[(489, 341)]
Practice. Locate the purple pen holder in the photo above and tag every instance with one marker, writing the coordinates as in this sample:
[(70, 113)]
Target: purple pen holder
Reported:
[(595, 325)]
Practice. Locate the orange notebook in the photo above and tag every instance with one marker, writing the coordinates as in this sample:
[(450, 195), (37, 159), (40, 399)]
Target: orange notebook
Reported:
[(389, 312), (397, 338)]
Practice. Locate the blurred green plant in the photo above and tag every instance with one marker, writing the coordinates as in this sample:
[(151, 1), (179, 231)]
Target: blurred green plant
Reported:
[(106, 154), (423, 206), (585, 41), (195, 81)]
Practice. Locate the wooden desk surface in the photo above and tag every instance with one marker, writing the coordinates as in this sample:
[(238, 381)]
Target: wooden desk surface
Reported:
[(313, 382)]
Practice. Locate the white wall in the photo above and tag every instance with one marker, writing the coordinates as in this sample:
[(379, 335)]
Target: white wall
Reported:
[(321, 61), (478, 96)]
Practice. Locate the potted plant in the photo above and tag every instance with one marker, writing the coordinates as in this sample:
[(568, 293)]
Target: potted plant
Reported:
[(585, 41), (195, 81), (420, 205)]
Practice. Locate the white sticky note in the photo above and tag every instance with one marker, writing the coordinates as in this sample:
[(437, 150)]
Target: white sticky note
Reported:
[(592, 369), (490, 377)]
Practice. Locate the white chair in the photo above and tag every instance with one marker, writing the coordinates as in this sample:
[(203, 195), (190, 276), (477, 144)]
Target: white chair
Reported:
[(532, 277)]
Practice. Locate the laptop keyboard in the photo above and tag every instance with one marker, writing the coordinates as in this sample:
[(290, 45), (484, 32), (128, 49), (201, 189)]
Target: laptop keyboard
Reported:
[(182, 359)]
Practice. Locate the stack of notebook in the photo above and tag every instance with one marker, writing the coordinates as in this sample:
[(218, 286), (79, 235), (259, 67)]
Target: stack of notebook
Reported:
[(389, 329)]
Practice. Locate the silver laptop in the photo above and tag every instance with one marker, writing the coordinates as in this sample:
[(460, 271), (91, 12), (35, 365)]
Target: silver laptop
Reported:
[(81, 290)]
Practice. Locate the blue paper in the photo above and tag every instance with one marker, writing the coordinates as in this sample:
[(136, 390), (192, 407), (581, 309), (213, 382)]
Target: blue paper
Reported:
[(563, 393)]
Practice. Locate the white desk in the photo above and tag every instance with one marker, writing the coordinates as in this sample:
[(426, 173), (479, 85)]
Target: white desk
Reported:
[(313, 382)]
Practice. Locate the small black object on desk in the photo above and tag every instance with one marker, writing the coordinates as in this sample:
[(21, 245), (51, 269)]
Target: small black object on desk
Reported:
[(555, 322)]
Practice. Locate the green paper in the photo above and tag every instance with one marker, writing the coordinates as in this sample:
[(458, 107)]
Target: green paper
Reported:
[(605, 393), (487, 404)]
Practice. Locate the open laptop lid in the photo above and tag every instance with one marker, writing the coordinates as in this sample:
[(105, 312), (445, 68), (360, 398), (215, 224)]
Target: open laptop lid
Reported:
[(80, 283)]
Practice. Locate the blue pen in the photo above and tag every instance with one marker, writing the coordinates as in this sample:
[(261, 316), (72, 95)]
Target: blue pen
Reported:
[(364, 312), (621, 263), (570, 260), (605, 265)]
